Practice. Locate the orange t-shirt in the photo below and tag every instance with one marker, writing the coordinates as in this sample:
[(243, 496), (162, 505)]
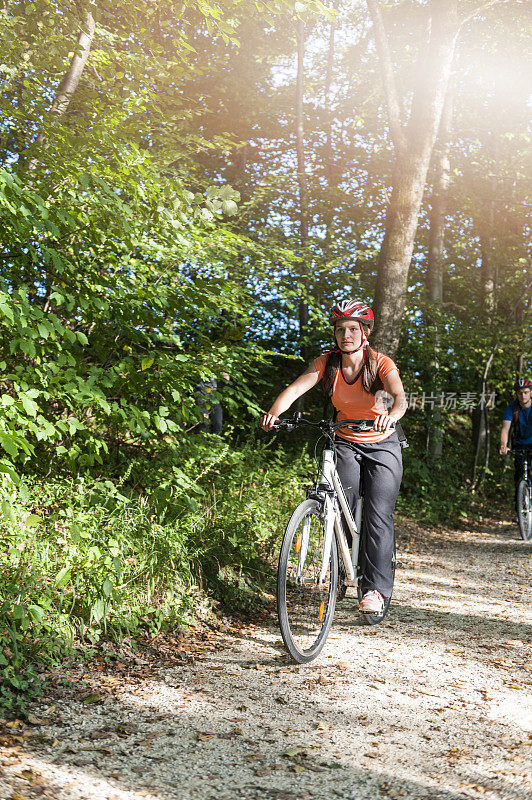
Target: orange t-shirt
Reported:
[(353, 402)]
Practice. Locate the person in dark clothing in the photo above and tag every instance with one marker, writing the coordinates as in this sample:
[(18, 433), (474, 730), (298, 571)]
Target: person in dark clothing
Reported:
[(519, 415), (210, 407)]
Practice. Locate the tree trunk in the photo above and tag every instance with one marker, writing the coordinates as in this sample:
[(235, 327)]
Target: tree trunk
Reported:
[(71, 78), (481, 430), (328, 152), (520, 319), (435, 274), (487, 261), (413, 148), (488, 273), (302, 181)]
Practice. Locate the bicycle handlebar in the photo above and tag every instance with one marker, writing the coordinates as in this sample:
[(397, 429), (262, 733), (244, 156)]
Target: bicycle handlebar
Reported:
[(326, 426)]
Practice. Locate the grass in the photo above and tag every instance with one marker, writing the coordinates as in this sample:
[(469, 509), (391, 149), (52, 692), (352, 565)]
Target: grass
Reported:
[(151, 550)]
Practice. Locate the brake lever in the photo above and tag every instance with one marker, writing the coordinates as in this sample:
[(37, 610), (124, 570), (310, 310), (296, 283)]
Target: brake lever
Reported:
[(284, 425)]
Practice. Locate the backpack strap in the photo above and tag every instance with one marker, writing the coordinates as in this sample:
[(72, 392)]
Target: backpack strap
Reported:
[(401, 434), (514, 423), (328, 401)]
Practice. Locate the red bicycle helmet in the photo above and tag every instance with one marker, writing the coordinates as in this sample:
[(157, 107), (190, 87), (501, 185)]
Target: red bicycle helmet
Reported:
[(522, 383), (352, 309)]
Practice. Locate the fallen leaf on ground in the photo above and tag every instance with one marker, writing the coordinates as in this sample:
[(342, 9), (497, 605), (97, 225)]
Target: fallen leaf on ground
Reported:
[(126, 728), (26, 775), (33, 719), (293, 751), (91, 699), (254, 757)]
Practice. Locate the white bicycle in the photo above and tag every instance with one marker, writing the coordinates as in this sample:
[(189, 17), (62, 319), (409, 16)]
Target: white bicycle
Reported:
[(310, 575)]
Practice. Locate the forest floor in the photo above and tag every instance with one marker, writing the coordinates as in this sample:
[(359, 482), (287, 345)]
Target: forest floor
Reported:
[(434, 703)]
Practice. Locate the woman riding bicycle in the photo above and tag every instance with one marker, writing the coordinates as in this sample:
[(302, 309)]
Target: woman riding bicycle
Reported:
[(354, 376)]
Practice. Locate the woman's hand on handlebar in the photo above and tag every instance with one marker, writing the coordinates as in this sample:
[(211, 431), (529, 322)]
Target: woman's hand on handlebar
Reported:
[(268, 421), (504, 449), (384, 422)]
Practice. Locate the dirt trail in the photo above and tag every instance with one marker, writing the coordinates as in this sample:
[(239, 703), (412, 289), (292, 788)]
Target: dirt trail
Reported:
[(434, 703)]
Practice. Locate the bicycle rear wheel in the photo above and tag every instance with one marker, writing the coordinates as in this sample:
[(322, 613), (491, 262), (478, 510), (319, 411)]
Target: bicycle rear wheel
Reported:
[(524, 510), (304, 607)]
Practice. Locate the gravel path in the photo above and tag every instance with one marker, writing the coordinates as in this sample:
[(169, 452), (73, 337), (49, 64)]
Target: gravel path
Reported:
[(434, 703)]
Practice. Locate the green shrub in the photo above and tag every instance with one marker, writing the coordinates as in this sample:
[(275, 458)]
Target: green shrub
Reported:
[(82, 559)]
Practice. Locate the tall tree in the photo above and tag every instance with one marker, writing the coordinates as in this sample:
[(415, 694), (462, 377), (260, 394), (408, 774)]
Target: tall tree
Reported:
[(328, 149), (413, 144), (302, 181), (70, 80), (435, 267)]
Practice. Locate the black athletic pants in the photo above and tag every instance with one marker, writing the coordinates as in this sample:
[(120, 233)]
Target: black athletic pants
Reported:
[(381, 470)]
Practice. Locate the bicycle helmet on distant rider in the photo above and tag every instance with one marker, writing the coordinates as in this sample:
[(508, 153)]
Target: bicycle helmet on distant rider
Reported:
[(352, 309), (522, 383)]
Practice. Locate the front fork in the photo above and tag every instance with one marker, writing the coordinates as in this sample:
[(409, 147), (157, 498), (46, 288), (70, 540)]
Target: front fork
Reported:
[(327, 541), (332, 517), (303, 548)]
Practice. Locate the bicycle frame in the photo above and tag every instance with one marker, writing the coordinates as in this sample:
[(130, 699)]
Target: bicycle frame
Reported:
[(525, 468), (330, 491)]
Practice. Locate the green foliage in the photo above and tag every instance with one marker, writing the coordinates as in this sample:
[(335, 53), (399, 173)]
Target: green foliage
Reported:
[(441, 493), (82, 559), (91, 351)]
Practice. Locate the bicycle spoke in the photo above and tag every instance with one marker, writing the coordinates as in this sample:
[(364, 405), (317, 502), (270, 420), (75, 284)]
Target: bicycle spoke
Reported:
[(306, 600), (305, 606), (524, 510)]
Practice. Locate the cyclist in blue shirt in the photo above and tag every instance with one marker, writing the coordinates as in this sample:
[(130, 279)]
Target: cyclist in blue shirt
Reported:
[(519, 414)]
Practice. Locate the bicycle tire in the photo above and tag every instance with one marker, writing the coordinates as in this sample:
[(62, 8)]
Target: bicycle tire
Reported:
[(524, 510), (305, 610), (375, 619)]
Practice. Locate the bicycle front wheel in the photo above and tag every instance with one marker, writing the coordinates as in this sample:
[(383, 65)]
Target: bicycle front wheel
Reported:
[(524, 510), (305, 606)]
